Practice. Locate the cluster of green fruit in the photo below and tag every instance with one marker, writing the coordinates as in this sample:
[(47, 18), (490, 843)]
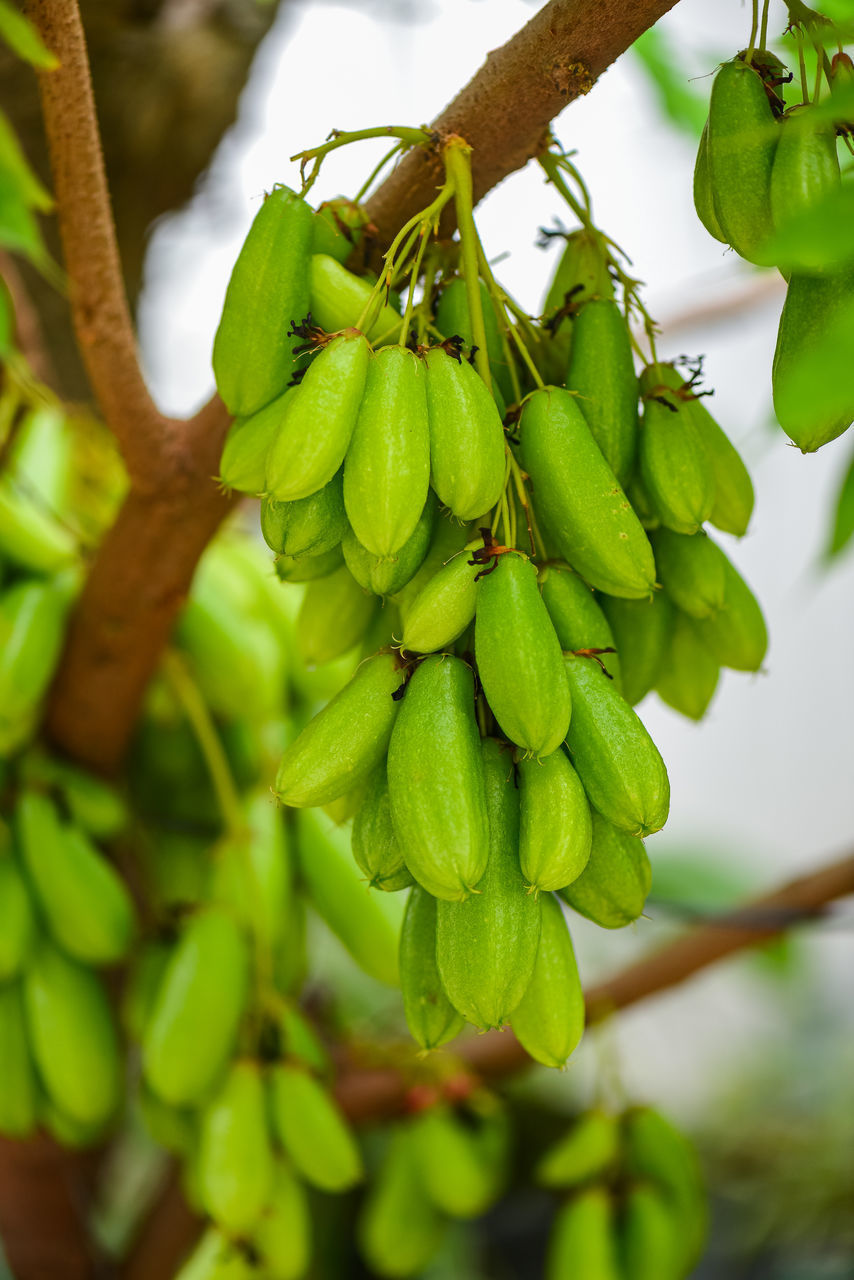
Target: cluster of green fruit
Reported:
[(486, 748), (760, 170), (635, 1209)]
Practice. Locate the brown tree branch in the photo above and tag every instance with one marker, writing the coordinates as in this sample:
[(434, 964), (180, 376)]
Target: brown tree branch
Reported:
[(504, 112), (370, 1095)]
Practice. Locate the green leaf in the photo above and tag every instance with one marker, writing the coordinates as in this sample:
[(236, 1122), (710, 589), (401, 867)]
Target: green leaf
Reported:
[(843, 520), (679, 101), (19, 230), (15, 171), (23, 39), (820, 237)]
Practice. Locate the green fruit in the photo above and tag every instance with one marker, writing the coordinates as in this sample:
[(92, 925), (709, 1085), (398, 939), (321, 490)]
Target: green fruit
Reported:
[(641, 629), (689, 673), (692, 570), (334, 615), (450, 1164), (253, 353), (649, 1243), (345, 741), (386, 575), (589, 1150), (449, 537), (387, 471), (602, 372), (300, 1040), (338, 228), (613, 888), (741, 142), (169, 1127), (430, 1016), (555, 829), (814, 306), (309, 568), (338, 299), (443, 608), (657, 1152), (623, 774), (733, 504), (581, 273), (806, 164), (72, 1036), (548, 1022), (367, 923), (215, 1257), (235, 1159), (317, 422), (453, 320), (313, 1131), (93, 804), (736, 635), (84, 900), (584, 1230), (20, 1093), (519, 658), (17, 918), (436, 780), (704, 200), (193, 1026), (243, 464), (375, 846), (31, 537), (252, 873), (675, 468), (577, 497), (399, 1229), (282, 1236), (139, 993), (67, 1131), (577, 617), (486, 946), (466, 437), (32, 630), (309, 526)]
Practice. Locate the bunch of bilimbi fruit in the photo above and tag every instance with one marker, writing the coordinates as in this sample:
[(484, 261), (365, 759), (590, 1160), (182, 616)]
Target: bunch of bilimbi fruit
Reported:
[(760, 171)]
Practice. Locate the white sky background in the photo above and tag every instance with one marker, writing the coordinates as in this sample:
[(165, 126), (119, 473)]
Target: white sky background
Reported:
[(767, 777)]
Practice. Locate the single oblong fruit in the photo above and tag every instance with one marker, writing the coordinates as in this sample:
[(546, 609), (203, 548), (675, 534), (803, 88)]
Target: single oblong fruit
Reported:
[(736, 635), (234, 1160), (20, 1093), (555, 827), (345, 741), (448, 538), (308, 568), (602, 371), (549, 1019), (578, 498), (519, 658), (451, 1165), (436, 780), (466, 437), (443, 608), (590, 1149), (584, 1228), (282, 1236), (17, 918), (641, 629), (200, 1001), (704, 201), (334, 615), (253, 350), (741, 141), (399, 1228), (72, 1036), (430, 1016), (486, 947), (243, 463), (649, 1237), (386, 575), (674, 466), (338, 299), (387, 470), (689, 672), (612, 889), (657, 1152), (806, 163), (375, 846), (309, 526), (313, 1131), (317, 422), (453, 320), (806, 410), (618, 762), (577, 617), (692, 570)]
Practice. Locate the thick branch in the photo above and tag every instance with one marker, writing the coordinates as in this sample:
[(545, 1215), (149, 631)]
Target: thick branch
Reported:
[(42, 1211), (371, 1095), (102, 321), (505, 111)]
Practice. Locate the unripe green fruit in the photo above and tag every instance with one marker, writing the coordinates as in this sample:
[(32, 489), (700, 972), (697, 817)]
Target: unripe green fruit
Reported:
[(466, 437), (443, 608), (436, 780), (577, 617), (308, 568), (309, 526), (430, 1016), (590, 1149), (555, 826), (704, 200), (736, 635), (338, 298), (641, 630), (235, 1160), (674, 466), (584, 1229), (19, 1094), (399, 1229), (806, 164), (453, 319), (692, 571), (17, 918), (689, 673), (375, 845), (612, 889), (486, 947), (386, 575), (814, 305), (451, 1165), (549, 1019), (649, 1243), (334, 615), (282, 1236), (602, 371), (313, 1131)]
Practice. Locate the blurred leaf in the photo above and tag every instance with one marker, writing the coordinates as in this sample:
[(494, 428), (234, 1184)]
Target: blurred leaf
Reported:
[(16, 172), (7, 323), (23, 39), (843, 521), (837, 106), (680, 102), (820, 237), (19, 230)]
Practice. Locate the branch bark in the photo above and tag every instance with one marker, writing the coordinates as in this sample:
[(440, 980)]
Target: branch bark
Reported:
[(504, 112), (370, 1095)]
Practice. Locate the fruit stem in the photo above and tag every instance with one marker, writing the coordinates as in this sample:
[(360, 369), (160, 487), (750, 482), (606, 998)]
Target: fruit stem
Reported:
[(409, 137), (361, 194), (458, 168)]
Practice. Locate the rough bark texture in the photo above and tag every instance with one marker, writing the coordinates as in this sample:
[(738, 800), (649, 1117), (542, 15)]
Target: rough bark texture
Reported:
[(504, 112)]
